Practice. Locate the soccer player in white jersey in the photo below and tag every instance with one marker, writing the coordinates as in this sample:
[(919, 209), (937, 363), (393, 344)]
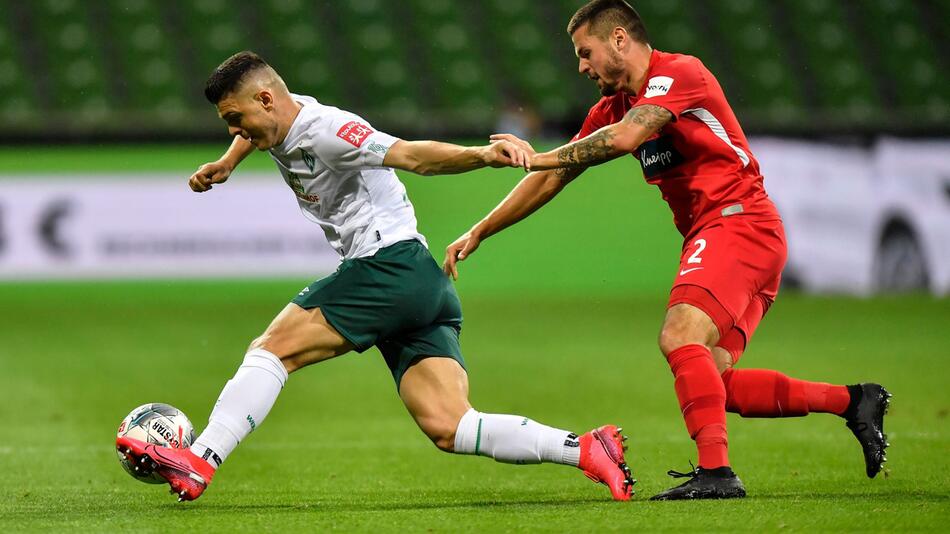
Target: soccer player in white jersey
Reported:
[(388, 291)]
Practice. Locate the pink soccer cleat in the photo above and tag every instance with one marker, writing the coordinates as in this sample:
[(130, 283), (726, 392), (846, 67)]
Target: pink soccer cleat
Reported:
[(602, 460), (187, 474)]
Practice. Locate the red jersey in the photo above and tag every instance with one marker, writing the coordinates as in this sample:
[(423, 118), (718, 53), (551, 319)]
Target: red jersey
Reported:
[(701, 159)]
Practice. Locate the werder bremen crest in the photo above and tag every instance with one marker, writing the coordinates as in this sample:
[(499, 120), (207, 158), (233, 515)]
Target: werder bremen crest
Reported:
[(308, 159)]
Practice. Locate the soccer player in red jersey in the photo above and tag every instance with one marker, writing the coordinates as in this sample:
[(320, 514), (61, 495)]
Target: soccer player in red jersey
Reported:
[(669, 111)]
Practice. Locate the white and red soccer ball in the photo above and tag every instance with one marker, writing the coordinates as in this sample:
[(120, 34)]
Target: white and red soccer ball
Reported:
[(157, 423)]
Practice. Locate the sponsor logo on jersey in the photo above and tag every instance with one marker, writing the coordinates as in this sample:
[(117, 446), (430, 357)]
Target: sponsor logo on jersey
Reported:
[(687, 271), (307, 158), (293, 180), (658, 155), (354, 133), (658, 86), (377, 148)]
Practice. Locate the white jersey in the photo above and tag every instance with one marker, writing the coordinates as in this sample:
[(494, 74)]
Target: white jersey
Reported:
[(332, 160)]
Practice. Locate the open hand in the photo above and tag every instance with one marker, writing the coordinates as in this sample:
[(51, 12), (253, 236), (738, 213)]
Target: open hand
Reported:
[(458, 251)]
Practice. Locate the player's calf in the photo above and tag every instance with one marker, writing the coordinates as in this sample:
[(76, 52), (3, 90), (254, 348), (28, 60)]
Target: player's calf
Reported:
[(514, 439), (519, 440), (441, 431)]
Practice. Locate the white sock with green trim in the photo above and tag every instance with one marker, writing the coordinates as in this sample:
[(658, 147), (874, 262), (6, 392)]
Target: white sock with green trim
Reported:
[(514, 439), (243, 404)]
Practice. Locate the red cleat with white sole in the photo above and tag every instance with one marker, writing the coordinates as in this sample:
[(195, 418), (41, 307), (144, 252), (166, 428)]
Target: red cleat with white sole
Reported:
[(186, 473), (602, 460)]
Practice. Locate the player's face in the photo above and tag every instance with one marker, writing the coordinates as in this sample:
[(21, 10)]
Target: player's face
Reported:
[(598, 60), (252, 117)]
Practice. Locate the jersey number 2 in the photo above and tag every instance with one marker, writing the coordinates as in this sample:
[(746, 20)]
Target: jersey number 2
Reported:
[(700, 246)]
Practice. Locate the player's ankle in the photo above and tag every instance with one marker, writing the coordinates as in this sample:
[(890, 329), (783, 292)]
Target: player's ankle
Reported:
[(207, 456), (723, 471), (856, 393)]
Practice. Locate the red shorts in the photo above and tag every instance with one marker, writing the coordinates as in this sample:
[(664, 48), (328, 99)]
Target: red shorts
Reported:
[(731, 269)]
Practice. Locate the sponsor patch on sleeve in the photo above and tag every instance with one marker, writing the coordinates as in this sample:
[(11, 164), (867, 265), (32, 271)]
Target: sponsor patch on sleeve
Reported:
[(354, 133), (658, 86), (377, 148)]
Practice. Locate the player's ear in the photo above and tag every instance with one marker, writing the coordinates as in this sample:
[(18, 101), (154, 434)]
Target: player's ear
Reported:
[(266, 98), (620, 38)]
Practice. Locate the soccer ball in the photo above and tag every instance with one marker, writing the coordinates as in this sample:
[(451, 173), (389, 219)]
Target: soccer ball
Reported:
[(156, 423)]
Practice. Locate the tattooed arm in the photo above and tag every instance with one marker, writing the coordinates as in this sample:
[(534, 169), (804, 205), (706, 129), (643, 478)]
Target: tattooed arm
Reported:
[(608, 142)]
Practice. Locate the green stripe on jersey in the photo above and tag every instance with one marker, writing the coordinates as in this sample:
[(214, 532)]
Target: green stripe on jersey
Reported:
[(478, 436)]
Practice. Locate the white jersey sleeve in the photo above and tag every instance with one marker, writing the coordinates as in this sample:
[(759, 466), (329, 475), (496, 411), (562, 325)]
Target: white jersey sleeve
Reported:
[(333, 162), (346, 142)]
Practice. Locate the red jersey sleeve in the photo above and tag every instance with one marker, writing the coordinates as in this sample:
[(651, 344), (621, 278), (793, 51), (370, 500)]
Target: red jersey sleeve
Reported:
[(677, 86), (596, 119)]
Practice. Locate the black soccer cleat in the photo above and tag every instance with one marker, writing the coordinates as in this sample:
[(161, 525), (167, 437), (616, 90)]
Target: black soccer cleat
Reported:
[(719, 483), (865, 418)]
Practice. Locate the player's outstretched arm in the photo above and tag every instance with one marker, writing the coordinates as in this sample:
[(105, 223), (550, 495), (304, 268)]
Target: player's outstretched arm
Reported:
[(606, 143), (534, 191), (217, 172), (432, 157)]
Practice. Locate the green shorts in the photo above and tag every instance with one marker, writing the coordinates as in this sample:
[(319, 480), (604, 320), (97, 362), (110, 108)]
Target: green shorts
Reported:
[(399, 300)]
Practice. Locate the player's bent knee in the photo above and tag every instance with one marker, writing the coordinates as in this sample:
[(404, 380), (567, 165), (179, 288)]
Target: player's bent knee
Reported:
[(266, 342), (686, 325), (668, 342), (262, 342), (257, 343), (287, 349), (672, 338)]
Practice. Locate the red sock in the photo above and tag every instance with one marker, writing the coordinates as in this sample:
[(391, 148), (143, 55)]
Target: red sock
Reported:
[(702, 398), (767, 393)]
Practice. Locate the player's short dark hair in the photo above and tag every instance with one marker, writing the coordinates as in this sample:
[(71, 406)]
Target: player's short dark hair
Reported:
[(605, 15), (229, 75)]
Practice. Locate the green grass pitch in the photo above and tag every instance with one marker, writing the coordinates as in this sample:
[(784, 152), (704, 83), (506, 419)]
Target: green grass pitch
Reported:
[(338, 451), (564, 334)]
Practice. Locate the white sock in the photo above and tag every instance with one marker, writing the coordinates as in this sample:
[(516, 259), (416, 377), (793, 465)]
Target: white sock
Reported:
[(242, 405), (515, 440)]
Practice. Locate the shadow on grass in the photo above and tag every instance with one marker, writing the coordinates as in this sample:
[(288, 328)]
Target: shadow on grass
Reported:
[(897, 497), (385, 507)]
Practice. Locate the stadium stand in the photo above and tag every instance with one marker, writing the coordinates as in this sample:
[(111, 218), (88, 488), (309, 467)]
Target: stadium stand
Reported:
[(761, 78), (371, 39), (455, 70), (20, 106), (72, 56), (298, 30), (146, 71), (789, 66)]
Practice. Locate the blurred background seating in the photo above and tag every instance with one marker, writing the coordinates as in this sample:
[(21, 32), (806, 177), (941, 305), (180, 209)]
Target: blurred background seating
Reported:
[(135, 69)]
